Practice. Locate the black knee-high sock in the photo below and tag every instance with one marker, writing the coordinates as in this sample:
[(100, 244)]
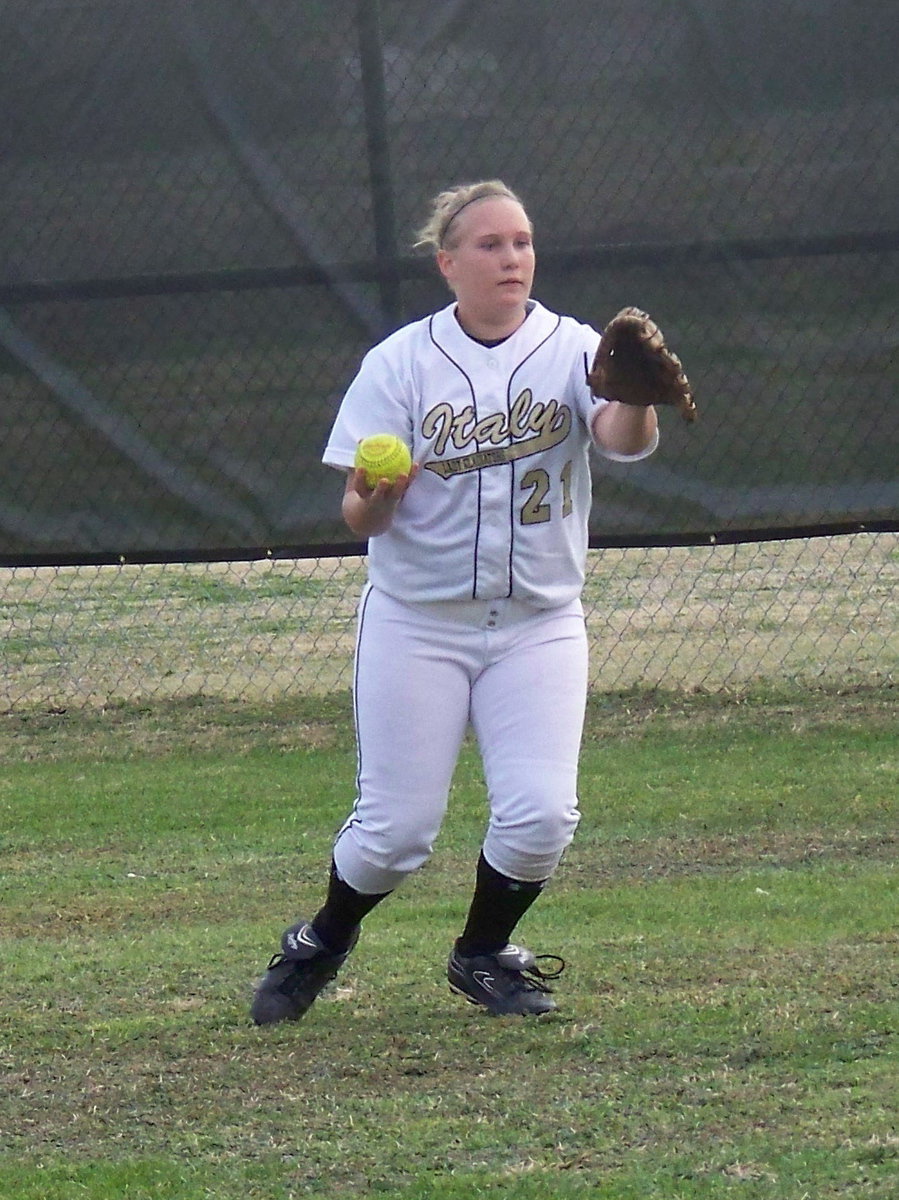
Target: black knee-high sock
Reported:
[(497, 906), (340, 916)]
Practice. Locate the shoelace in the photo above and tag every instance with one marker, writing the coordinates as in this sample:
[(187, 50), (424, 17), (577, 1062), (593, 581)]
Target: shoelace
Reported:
[(537, 977)]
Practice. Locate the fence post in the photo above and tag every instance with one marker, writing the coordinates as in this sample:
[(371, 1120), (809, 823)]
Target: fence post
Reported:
[(374, 93)]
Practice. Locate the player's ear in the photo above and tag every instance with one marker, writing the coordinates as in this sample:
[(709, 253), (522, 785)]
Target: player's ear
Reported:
[(444, 263)]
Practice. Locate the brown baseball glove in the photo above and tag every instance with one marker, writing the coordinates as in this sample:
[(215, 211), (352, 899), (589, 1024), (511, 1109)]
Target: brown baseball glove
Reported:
[(633, 365)]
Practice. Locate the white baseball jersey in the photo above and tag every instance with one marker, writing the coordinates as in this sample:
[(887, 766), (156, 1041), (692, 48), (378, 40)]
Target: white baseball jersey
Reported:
[(503, 434)]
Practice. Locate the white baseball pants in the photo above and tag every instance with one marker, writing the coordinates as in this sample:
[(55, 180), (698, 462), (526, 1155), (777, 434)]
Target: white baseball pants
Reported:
[(519, 676)]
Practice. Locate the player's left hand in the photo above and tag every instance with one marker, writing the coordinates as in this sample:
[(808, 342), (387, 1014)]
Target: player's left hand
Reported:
[(633, 365)]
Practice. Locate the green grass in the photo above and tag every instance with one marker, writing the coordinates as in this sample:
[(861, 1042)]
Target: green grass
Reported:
[(727, 1021)]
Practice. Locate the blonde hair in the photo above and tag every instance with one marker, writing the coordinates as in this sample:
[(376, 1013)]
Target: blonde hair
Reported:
[(446, 206)]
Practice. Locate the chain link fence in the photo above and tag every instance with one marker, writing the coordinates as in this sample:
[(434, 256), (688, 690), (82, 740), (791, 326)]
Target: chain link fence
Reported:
[(206, 209), (806, 612)]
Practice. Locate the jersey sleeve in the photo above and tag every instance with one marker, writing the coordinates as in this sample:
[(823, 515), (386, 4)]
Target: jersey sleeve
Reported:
[(377, 401), (587, 405)]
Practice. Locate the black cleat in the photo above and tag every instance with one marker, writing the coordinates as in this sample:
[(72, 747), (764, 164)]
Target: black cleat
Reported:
[(506, 982), (295, 976)]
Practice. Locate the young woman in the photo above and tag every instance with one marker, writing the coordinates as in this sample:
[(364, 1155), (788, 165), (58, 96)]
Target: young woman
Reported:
[(471, 614)]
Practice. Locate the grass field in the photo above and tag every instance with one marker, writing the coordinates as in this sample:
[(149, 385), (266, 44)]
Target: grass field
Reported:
[(728, 1017)]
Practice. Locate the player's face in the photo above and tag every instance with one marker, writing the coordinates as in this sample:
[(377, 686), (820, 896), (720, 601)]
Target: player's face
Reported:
[(489, 263)]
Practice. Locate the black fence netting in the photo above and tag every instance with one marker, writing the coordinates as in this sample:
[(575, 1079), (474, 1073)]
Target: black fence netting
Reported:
[(206, 212)]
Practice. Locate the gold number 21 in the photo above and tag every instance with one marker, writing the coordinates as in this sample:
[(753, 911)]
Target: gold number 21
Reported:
[(536, 509)]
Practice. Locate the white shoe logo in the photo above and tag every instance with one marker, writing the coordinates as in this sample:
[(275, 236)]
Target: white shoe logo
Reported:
[(486, 980), (301, 938)]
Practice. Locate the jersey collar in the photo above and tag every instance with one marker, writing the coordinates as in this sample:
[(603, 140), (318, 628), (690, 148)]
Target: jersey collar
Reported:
[(451, 337)]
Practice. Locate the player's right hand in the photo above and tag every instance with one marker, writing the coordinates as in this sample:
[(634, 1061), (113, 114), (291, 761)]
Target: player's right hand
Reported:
[(369, 511), (385, 491)]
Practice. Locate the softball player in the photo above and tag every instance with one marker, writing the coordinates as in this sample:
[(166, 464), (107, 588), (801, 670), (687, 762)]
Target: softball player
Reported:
[(471, 614)]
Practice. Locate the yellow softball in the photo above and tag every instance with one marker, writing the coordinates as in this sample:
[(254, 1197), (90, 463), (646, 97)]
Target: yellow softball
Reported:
[(383, 456)]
